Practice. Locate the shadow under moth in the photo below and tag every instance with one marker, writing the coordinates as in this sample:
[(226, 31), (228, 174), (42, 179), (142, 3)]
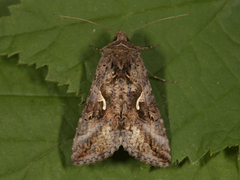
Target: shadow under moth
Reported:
[(121, 109)]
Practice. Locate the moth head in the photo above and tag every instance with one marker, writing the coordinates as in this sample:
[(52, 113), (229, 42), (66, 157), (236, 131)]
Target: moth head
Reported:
[(121, 36)]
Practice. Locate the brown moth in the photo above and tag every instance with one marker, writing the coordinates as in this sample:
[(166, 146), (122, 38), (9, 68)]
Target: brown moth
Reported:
[(121, 110)]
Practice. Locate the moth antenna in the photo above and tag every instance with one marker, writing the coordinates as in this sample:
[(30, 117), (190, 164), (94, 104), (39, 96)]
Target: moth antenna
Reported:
[(69, 17), (157, 21)]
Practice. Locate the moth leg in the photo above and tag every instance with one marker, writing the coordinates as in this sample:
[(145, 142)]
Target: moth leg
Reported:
[(82, 102), (148, 47), (95, 48), (164, 80)]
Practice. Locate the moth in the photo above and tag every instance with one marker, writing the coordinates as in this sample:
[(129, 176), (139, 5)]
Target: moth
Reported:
[(121, 110)]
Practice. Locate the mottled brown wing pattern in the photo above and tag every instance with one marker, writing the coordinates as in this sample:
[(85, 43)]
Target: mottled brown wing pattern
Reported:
[(121, 110), (97, 136), (144, 135)]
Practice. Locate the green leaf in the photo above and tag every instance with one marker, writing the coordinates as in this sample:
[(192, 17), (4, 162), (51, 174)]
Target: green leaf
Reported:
[(38, 119)]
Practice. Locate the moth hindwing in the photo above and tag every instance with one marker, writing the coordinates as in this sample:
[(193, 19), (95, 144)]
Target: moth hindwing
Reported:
[(121, 110)]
